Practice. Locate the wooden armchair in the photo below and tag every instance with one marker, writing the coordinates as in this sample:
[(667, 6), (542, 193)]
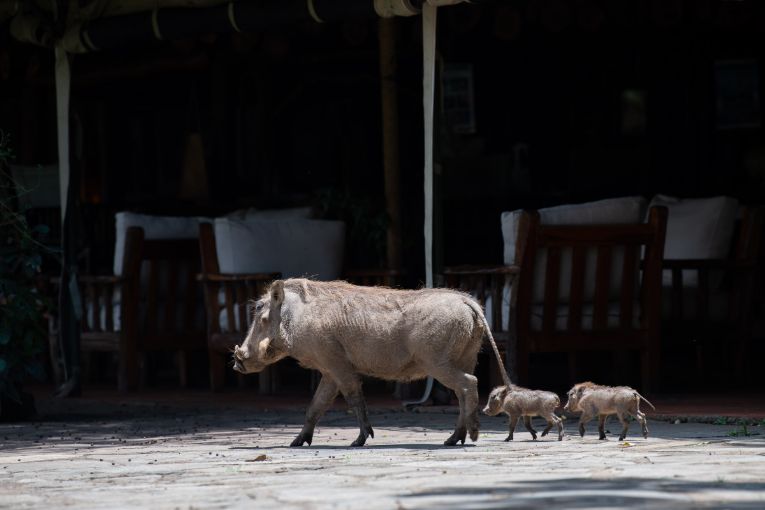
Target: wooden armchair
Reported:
[(152, 306), (709, 303), (622, 314), (226, 302)]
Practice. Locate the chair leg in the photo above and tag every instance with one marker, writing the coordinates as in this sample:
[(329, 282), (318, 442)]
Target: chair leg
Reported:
[(183, 368), (217, 370), (128, 372), (649, 371), (265, 381)]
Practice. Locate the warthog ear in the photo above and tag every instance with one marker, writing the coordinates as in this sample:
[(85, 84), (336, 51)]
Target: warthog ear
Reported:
[(265, 351), (277, 293)]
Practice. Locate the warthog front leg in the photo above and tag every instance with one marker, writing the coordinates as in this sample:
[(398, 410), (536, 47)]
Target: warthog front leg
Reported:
[(325, 394), (512, 423), (351, 390), (466, 387), (527, 424), (602, 426), (586, 417)]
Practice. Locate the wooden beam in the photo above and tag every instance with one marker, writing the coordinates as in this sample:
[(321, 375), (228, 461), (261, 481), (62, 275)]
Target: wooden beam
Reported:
[(389, 103)]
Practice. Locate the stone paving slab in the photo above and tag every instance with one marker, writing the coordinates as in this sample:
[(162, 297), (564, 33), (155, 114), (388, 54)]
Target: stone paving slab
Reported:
[(160, 457)]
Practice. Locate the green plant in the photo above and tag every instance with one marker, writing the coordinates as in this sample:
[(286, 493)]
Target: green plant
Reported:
[(22, 307), (743, 429)]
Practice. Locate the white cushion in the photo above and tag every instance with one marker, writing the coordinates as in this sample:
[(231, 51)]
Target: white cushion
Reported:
[(697, 228), (602, 212), (312, 248), (293, 213), (626, 210), (154, 227)]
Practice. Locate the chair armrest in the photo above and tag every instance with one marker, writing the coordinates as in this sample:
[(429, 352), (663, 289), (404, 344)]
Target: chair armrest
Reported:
[(709, 264), (233, 278), (92, 279), (475, 270)]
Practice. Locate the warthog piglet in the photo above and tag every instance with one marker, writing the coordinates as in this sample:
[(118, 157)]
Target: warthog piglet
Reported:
[(516, 401), (595, 400)]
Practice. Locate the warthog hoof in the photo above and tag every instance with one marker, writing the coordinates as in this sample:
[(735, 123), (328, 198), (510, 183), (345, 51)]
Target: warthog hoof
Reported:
[(544, 432), (474, 434), (459, 435), (301, 439), (363, 435), (603, 437), (621, 438), (509, 438), (560, 437)]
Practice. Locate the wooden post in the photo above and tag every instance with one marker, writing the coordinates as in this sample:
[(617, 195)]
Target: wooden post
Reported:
[(389, 103)]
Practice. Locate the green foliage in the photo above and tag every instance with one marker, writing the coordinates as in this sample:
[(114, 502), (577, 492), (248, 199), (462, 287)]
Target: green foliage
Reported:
[(743, 429), (22, 307), (366, 222)]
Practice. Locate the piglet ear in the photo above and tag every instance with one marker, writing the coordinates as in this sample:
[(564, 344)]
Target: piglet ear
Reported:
[(277, 293)]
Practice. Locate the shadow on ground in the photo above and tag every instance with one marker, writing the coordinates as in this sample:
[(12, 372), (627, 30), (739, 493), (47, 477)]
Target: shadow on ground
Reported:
[(593, 493)]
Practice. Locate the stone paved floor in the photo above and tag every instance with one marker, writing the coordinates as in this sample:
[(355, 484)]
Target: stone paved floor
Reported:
[(131, 455)]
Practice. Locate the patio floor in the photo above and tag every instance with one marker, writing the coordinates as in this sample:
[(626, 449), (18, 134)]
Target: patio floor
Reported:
[(173, 449)]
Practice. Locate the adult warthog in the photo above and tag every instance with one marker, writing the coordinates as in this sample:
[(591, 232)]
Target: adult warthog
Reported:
[(345, 331)]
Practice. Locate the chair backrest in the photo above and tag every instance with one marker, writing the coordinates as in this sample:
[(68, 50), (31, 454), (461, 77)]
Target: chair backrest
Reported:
[(227, 296), (161, 289), (616, 249)]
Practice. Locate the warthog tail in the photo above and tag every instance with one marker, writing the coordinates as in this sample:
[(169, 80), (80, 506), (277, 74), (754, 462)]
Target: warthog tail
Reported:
[(645, 400), (480, 316)]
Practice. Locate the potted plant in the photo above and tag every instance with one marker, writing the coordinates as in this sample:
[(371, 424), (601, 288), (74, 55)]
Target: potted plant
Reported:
[(23, 308)]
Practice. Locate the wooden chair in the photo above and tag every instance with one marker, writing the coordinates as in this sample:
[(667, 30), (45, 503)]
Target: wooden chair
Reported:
[(623, 315), (226, 300), (152, 306), (715, 313)]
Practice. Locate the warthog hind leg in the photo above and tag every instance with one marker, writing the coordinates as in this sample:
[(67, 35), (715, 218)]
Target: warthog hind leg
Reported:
[(351, 390), (552, 421), (643, 423), (527, 424), (582, 421), (466, 387), (322, 399)]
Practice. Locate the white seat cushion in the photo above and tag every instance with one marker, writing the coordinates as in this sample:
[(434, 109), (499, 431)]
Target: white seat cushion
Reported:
[(697, 228), (295, 248)]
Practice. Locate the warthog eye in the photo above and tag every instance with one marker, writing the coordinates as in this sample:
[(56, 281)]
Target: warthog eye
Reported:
[(259, 306)]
